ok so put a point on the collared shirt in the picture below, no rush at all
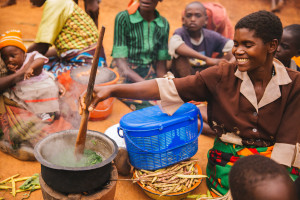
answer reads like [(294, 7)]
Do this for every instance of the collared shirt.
[(235, 114), (140, 41)]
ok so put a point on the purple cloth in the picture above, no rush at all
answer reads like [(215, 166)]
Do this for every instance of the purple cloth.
[(212, 41)]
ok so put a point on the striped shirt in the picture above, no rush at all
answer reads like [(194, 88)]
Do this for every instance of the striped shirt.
[(139, 41)]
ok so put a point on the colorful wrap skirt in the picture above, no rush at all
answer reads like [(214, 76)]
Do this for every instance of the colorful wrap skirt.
[(19, 127), (222, 157), (61, 67)]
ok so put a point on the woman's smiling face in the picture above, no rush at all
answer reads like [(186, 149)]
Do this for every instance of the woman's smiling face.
[(250, 51)]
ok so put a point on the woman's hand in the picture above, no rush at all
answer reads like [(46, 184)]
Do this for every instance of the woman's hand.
[(100, 93)]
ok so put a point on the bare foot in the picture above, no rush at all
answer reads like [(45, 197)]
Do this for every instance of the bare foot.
[(8, 3)]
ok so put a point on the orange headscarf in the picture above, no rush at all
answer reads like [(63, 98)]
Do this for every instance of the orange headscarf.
[(12, 38)]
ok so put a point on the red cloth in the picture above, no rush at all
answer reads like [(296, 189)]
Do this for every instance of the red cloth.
[(218, 19), (133, 6)]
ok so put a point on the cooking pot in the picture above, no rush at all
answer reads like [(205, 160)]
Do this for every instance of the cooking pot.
[(75, 179)]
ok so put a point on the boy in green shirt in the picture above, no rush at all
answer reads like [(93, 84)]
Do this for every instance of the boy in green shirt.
[(140, 49)]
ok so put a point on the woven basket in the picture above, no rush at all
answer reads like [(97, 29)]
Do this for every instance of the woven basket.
[(155, 140)]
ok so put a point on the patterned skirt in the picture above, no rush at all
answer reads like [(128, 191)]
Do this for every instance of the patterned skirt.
[(222, 157)]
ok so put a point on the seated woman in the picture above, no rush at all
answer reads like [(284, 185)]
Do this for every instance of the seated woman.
[(253, 104), (72, 32), (73, 35), (29, 97)]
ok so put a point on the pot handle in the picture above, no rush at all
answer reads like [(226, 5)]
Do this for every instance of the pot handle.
[(161, 151), (120, 129)]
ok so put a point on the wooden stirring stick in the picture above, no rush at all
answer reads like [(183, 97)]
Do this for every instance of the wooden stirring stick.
[(80, 141)]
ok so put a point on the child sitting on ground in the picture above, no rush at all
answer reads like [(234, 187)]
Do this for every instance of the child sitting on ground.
[(289, 47), (257, 177), (38, 92), (193, 46)]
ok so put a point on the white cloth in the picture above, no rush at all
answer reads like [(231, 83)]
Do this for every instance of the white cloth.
[(39, 94)]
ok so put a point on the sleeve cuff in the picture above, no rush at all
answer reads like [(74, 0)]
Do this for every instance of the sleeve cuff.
[(284, 154), (38, 55), (120, 52), (170, 100), (296, 162), (174, 43)]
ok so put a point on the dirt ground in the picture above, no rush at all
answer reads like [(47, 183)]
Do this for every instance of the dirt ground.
[(26, 18)]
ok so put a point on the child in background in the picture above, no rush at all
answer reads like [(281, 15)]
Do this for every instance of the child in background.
[(193, 46), (289, 47), (140, 49), (257, 177), (38, 92), (218, 20)]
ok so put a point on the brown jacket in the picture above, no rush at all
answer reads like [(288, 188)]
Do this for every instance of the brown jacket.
[(233, 111)]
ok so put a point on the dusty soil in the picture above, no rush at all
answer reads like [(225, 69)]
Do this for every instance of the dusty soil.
[(26, 18)]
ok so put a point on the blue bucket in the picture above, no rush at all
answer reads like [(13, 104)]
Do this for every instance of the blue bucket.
[(155, 140)]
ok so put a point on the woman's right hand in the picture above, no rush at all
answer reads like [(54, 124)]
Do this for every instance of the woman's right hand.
[(100, 93)]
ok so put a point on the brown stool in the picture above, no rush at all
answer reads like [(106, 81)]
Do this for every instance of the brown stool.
[(107, 193)]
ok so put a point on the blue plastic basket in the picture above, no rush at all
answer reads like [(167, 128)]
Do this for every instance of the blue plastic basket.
[(155, 140)]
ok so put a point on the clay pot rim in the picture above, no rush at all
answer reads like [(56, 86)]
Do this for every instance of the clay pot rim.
[(45, 163)]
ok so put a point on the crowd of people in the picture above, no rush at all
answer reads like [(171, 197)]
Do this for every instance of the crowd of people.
[(247, 75)]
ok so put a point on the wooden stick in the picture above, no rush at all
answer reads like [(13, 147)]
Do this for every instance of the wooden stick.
[(80, 141)]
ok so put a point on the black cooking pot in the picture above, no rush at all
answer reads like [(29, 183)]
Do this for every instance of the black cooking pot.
[(75, 179)]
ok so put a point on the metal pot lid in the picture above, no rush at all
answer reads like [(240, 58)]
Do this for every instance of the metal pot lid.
[(82, 75)]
